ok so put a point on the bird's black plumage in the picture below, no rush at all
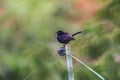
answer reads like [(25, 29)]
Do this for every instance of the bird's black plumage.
[(64, 37)]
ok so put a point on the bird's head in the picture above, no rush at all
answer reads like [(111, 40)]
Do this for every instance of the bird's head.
[(60, 32)]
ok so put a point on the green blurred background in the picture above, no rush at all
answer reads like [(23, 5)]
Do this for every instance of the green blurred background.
[(28, 45)]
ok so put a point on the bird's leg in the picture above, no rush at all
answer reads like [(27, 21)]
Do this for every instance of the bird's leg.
[(64, 49), (64, 45)]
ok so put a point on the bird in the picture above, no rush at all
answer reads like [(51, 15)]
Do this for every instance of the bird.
[(64, 37)]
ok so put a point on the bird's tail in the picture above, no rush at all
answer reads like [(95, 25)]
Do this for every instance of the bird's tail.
[(76, 33)]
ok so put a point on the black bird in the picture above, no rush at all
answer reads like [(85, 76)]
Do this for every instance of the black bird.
[(64, 37)]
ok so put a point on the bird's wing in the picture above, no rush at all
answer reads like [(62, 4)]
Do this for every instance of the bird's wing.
[(67, 37)]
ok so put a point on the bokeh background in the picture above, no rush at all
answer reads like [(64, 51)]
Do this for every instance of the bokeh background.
[(28, 45)]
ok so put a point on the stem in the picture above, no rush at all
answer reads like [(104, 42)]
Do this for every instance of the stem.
[(69, 63), (31, 73), (87, 67)]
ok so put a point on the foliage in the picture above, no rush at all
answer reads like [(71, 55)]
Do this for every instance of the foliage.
[(28, 45)]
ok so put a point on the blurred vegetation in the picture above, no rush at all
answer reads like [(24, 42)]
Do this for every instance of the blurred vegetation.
[(28, 45)]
